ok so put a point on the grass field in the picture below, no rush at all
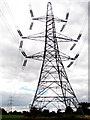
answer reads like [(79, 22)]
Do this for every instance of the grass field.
[(62, 117), (12, 117)]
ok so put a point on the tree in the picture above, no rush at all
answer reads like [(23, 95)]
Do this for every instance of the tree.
[(46, 112), (68, 110), (85, 107), (4, 112)]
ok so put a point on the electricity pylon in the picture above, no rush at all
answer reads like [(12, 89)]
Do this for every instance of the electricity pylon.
[(54, 88), (10, 104)]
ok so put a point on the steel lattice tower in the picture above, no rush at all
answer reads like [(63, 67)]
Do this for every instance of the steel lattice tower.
[(54, 88)]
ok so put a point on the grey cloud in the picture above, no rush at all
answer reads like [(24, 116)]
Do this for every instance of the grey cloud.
[(11, 64), (82, 95), (17, 99)]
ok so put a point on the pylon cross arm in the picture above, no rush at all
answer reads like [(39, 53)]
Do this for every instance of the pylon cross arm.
[(41, 38), (43, 19), (39, 56), (62, 39)]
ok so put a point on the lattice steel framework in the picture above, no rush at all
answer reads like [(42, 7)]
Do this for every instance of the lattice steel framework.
[(54, 88)]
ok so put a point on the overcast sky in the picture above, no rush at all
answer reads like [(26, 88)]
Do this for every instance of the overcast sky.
[(21, 84)]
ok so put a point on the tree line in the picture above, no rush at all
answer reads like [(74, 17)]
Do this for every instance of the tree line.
[(84, 106)]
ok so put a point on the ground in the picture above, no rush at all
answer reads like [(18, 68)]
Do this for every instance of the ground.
[(62, 117)]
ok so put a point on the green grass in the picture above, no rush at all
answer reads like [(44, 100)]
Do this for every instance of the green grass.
[(61, 117), (12, 117)]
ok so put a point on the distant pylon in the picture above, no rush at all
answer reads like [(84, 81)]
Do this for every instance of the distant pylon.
[(54, 88), (10, 103)]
